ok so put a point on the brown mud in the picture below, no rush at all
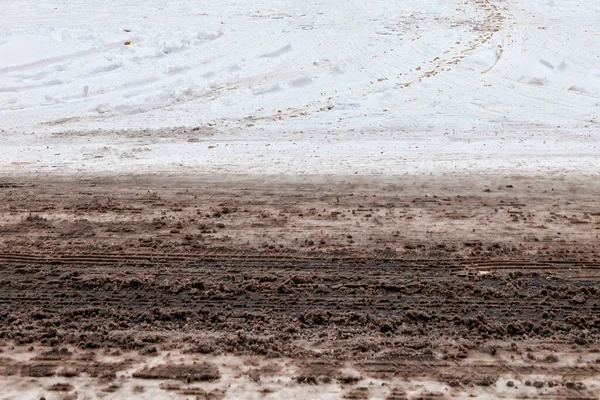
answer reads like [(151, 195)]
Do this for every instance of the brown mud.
[(346, 289)]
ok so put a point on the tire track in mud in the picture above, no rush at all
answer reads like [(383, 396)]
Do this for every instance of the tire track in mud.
[(308, 298), (121, 259), (55, 265)]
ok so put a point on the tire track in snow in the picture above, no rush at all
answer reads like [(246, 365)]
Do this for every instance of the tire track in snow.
[(493, 21)]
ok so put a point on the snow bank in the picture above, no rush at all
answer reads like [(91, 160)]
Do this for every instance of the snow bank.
[(383, 76)]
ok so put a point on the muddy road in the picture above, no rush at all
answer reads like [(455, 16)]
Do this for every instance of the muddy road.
[(246, 288)]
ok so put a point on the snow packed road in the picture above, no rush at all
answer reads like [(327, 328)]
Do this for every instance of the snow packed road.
[(288, 87)]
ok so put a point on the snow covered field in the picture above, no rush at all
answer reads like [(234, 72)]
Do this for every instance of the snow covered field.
[(300, 87)]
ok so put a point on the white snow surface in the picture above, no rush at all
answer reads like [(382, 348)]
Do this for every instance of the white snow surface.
[(300, 87)]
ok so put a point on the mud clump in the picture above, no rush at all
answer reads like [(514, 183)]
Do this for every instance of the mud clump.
[(38, 370), (484, 380), (360, 393), (575, 386), (203, 394), (551, 358), (60, 387), (254, 375), (306, 380), (151, 351), (104, 371), (317, 372), (187, 373), (68, 373), (348, 379), (112, 388), (54, 354)]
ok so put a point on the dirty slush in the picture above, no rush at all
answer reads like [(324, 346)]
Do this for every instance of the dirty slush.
[(224, 288)]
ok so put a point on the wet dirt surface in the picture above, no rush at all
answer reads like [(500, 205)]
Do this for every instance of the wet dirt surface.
[(327, 290)]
